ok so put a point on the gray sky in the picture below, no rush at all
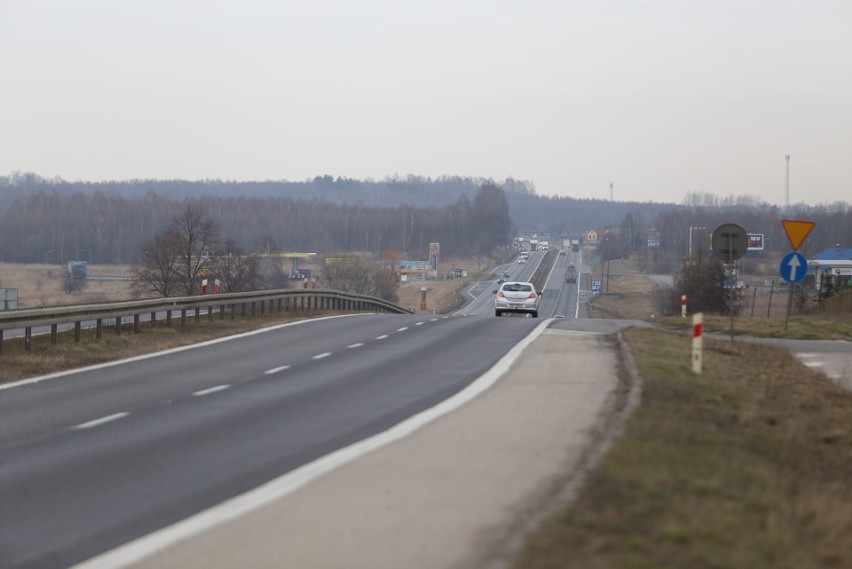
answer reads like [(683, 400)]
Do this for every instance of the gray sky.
[(660, 97)]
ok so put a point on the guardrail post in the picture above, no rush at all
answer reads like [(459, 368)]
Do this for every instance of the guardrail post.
[(183, 317), (197, 314), (153, 320), (53, 328), (243, 309), (279, 304), (28, 338), (118, 325), (210, 312), (77, 327), (169, 318), (99, 328), (253, 307), (1, 342), (221, 312), (135, 323)]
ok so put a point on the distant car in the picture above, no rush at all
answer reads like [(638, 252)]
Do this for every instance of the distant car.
[(518, 297), (506, 276), (521, 260), (559, 316), (562, 252), (501, 279), (575, 248), (571, 274)]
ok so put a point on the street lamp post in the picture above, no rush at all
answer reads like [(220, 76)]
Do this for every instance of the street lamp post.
[(787, 157)]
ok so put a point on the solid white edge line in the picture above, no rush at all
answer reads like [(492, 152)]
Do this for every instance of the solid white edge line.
[(321, 356), (170, 351), (276, 370), (101, 421), (286, 484), (579, 279), (204, 392)]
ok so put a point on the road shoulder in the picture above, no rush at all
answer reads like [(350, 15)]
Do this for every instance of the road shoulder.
[(447, 495)]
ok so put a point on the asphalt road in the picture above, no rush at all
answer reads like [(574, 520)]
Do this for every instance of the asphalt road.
[(559, 299), (96, 458), (92, 459)]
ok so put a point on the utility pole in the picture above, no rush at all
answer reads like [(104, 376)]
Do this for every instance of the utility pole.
[(610, 190), (787, 157)]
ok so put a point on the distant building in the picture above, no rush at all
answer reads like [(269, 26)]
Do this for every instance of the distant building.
[(833, 266), (593, 236)]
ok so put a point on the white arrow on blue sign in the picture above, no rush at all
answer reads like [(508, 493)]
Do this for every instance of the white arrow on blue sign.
[(794, 266)]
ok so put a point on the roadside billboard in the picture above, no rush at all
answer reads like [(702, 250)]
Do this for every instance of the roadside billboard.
[(755, 242)]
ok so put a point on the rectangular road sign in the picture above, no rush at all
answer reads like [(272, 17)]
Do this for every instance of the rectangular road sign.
[(755, 242), (797, 231), (596, 286)]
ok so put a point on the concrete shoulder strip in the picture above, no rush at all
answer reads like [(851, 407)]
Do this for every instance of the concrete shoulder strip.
[(150, 544)]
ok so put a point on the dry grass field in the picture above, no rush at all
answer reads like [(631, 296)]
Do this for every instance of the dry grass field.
[(442, 296), (43, 285), (744, 466)]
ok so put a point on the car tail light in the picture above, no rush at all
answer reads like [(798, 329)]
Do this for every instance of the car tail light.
[(501, 295), (532, 295)]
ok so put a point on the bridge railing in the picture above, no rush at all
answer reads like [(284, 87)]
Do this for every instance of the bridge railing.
[(215, 305)]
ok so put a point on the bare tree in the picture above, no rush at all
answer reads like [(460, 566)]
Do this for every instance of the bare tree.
[(196, 236), (173, 262), (156, 273), (237, 271)]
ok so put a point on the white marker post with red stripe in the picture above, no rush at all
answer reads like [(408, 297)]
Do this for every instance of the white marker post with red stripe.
[(697, 344), (683, 306)]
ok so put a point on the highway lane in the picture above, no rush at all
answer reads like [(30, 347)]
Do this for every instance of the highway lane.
[(482, 301), (558, 298), (92, 459)]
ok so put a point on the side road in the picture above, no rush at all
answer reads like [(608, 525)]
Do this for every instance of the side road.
[(456, 493)]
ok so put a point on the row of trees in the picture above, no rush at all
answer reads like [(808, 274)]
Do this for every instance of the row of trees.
[(53, 220), (102, 228)]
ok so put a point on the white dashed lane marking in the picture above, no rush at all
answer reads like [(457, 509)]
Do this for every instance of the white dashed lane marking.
[(403, 329), (321, 356), (358, 345), (101, 421), (204, 392), (276, 370), (382, 337)]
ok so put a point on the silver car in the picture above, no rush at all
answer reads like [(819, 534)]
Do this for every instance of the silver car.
[(516, 296)]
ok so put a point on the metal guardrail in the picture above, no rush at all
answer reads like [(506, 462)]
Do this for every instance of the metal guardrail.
[(285, 300)]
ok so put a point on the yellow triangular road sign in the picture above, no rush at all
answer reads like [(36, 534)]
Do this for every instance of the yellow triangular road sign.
[(797, 231)]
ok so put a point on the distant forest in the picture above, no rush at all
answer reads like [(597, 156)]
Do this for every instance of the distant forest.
[(51, 220)]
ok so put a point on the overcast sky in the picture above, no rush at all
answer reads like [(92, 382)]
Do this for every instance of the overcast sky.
[(659, 97)]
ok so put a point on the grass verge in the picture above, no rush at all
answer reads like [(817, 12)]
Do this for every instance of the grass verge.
[(813, 327), (747, 465)]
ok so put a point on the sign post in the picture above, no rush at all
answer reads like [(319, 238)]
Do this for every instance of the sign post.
[(794, 266), (730, 242), (697, 341), (683, 306)]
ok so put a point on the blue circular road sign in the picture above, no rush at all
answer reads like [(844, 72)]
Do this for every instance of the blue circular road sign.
[(794, 267)]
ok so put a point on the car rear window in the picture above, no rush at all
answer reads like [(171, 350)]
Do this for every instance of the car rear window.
[(517, 287)]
